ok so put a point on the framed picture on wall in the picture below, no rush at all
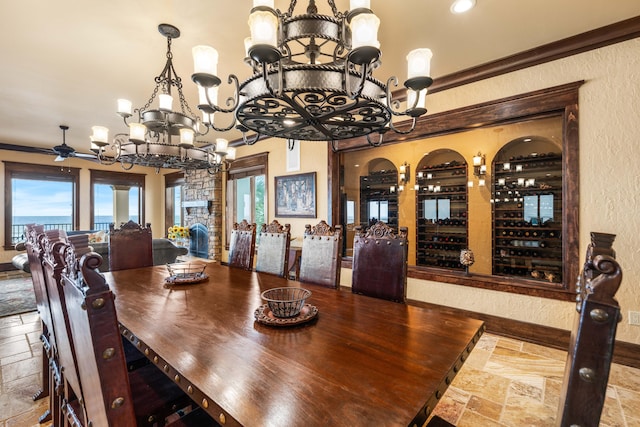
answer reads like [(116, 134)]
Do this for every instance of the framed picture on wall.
[(296, 195)]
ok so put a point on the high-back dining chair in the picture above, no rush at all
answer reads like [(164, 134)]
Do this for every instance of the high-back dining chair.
[(593, 336), (321, 259), (50, 381), (242, 245), (130, 246), (62, 348), (273, 251), (380, 262), (99, 391)]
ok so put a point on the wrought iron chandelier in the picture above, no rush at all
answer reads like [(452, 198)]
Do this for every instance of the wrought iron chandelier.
[(312, 77), (150, 141)]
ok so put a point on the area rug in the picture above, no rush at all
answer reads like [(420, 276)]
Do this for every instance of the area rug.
[(16, 296)]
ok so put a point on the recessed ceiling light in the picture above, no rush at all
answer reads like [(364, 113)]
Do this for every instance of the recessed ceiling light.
[(462, 6)]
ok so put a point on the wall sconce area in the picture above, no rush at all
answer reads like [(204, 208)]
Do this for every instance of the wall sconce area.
[(479, 170), (404, 175)]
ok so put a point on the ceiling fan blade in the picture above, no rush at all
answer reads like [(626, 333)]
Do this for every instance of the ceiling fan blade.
[(85, 155)]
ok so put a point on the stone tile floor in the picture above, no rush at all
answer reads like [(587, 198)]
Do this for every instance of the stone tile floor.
[(504, 382)]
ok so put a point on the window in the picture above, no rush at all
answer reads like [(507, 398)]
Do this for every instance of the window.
[(174, 187), (41, 194), (247, 191), (437, 209), (116, 197)]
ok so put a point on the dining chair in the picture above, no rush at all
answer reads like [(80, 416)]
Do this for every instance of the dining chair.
[(99, 390), (593, 336), (242, 245), (273, 249), (130, 246), (321, 259), (35, 252), (380, 262)]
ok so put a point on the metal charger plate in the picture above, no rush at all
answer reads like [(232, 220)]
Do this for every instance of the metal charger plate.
[(264, 315)]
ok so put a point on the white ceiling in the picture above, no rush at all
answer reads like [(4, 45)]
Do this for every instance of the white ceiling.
[(67, 61)]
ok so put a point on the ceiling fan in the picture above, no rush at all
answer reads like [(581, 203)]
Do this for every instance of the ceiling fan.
[(64, 151)]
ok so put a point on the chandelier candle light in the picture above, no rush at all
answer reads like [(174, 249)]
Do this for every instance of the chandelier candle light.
[(162, 137), (312, 77)]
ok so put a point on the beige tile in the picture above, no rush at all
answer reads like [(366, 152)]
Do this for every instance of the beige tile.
[(473, 419), (509, 343), (624, 376), (549, 353), (629, 402), (522, 409), (484, 407), (21, 369), (632, 422), (483, 384), (19, 330), (30, 417), (15, 358), (15, 347)]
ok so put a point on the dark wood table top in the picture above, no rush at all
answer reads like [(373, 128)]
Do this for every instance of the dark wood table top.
[(361, 362)]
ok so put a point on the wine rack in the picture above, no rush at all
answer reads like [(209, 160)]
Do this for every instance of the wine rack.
[(376, 187), (441, 215), (527, 217)]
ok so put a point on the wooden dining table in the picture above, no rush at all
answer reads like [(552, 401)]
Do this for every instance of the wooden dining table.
[(360, 361)]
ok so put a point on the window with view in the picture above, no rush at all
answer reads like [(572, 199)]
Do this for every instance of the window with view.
[(40, 194), (116, 197), (247, 191)]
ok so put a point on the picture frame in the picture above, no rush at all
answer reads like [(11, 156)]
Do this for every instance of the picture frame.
[(296, 195)]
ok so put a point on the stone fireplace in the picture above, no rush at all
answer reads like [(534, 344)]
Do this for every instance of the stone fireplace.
[(203, 205)]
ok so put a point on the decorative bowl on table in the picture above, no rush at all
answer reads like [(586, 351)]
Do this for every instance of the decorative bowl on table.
[(183, 273), (286, 302)]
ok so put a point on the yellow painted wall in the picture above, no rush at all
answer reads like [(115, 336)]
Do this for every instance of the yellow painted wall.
[(154, 191)]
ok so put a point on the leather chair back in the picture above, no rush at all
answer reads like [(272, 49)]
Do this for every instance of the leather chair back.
[(273, 249), (242, 245), (380, 262), (130, 246), (321, 259)]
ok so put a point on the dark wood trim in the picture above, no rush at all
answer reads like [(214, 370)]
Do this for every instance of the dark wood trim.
[(333, 187), (501, 111), (624, 353), (7, 266), (600, 37)]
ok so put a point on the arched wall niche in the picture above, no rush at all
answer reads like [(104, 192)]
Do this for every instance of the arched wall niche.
[(550, 115)]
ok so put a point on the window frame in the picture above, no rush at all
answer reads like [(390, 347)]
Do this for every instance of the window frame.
[(116, 178), (172, 180), (253, 165), (38, 173)]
